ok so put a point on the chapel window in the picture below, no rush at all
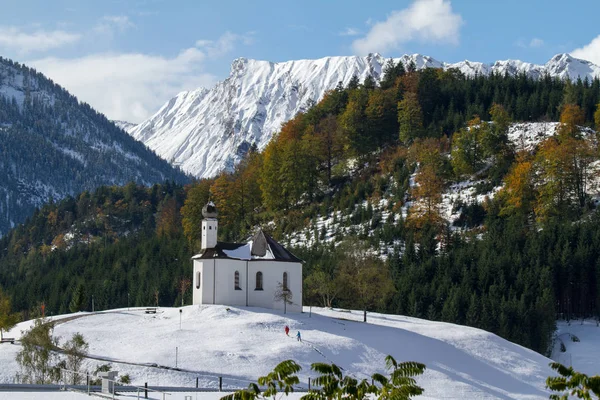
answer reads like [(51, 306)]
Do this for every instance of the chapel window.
[(259, 281)]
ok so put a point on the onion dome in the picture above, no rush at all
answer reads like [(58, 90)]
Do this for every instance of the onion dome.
[(209, 210)]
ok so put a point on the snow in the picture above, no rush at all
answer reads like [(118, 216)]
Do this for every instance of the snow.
[(241, 253), (584, 355), (241, 344), (207, 130)]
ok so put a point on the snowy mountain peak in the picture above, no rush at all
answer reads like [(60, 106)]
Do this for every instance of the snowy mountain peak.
[(206, 131)]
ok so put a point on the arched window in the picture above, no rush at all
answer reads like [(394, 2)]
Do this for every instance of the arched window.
[(237, 280), (285, 280), (259, 281), (198, 280)]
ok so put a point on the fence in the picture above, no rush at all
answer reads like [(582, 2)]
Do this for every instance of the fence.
[(109, 385)]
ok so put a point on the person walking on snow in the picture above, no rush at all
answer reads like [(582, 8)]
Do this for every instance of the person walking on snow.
[(287, 330), (298, 336)]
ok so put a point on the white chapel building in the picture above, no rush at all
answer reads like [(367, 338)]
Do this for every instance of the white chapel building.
[(244, 274)]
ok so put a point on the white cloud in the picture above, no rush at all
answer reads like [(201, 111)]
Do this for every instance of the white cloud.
[(224, 44), (533, 43), (111, 24), (132, 86), (22, 42), (424, 20), (590, 52), (349, 32), (536, 42), (127, 86)]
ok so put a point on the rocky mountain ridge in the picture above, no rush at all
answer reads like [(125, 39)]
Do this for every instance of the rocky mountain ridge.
[(207, 130)]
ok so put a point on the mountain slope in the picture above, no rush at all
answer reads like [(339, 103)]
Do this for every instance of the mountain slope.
[(241, 344), (53, 146), (206, 131)]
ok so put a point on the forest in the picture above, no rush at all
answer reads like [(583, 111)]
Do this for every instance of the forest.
[(52, 145), (512, 264)]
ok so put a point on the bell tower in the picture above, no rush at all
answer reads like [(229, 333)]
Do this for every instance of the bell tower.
[(209, 226)]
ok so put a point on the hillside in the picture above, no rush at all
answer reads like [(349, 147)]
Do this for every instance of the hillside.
[(54, 146), (241, 344), (466, 227), (208, 130)]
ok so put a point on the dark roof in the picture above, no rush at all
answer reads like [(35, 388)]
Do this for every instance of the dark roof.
[(264, 247), (261, 242)]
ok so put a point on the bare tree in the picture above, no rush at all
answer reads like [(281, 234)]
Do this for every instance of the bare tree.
[(283, 293), (184, 285)]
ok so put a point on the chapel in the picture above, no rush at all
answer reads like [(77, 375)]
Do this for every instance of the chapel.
[(252, 274)]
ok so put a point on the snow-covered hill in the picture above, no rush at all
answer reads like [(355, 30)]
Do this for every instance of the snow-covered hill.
[(242, 343), (205, 131)]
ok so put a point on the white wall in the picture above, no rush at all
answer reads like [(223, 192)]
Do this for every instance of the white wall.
[(217, 284), (197, 291), (209, 233), (272, 276), (225, 292)]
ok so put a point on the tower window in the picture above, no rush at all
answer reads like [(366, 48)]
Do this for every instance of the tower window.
[(237, 280), (285, 280), (198, 280), (259, 281)]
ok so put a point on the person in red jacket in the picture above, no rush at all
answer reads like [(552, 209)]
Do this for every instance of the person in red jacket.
[(287, 330)]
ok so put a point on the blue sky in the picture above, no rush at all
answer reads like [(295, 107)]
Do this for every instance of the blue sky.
[(127, 58)]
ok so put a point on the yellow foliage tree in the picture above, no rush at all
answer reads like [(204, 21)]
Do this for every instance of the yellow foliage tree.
[(191, 212), (571, 120), (518, 193)]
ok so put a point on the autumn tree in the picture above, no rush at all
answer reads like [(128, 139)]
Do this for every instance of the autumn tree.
[(552, 175), (322, 286), (597, 117), (7, 319), (270, 178), (518, 193), (427, 195), (366, 278), (563, 168), (168, 221), (572, 119), (353, 120), (196, 197), (237, 196), (410, 118)]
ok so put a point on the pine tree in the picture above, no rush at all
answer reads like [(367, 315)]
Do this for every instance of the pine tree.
[(410, 118), (7, 319), (77, 299)]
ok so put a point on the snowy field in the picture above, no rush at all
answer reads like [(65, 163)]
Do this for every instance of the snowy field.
[(241, 344), (583, 355)]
